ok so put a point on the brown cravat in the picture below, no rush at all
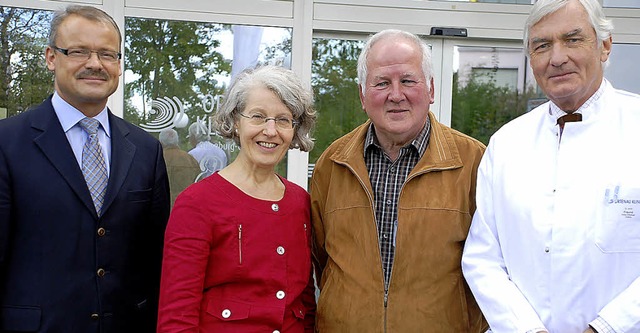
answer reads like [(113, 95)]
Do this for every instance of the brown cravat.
[(569, 117)]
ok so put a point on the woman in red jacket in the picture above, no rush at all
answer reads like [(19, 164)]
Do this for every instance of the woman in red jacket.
[(237, 247)]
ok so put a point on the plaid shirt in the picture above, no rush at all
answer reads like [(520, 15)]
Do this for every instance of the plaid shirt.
[(387, 179)]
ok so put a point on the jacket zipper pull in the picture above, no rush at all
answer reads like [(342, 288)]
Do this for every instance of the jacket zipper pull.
[(386, 297)]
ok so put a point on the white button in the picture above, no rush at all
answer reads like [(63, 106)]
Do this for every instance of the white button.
[(275, 207), (388, 202), (280, 294), (226, 313), (276, 331), (280, 250)]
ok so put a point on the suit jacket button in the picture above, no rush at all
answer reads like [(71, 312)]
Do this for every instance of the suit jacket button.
[(226, 313), (101, 272), (95, 316), (101, 232)]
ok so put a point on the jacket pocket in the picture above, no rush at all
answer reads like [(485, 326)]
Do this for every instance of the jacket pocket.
[(227, 310), (618, 231), (20, 318), (140, 195), (298, 309)]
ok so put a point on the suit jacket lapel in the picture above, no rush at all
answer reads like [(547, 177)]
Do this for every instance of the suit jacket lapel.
[(55, 146), (122, 152)]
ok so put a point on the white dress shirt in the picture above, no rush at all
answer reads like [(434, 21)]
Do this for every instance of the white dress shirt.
[(555, 240), (69, 117)]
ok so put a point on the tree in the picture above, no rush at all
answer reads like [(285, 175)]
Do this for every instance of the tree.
[(481, 107), (171, 58), (24, 78), (335, 87)]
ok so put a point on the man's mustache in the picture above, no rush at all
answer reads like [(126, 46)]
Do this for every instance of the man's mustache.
[(91, 74)]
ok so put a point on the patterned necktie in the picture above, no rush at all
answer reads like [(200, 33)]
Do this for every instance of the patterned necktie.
[(94, 168)]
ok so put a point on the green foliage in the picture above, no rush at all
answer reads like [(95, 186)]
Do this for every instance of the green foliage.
[(481, 107), (24, 78), (335, 87), (171, 58)]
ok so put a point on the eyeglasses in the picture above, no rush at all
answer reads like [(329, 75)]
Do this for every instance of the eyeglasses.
[(282, 123), (85, 54)]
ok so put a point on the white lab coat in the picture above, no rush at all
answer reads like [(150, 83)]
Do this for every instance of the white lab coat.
[(555, 239)]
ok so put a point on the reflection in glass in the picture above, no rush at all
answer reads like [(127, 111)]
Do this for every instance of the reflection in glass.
[(490, 88), (24, 78), (623, 70), (176, 71), (335, 86)]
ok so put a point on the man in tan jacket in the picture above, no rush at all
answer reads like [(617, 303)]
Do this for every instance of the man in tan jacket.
[(182, 168), (392, 203)]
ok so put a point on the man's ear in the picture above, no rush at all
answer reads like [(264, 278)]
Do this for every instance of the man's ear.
[(606, 49), (361, 96), (432, 93), (50, 57)]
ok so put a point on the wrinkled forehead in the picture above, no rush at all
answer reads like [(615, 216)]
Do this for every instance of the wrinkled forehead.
[(566, 21)]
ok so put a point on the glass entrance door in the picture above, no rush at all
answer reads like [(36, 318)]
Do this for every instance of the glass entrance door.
[(484, 85)]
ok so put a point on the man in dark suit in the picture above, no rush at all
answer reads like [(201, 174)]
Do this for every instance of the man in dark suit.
[(82, 213)]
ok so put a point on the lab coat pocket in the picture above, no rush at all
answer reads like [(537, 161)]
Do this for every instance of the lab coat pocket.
[(619, 230)]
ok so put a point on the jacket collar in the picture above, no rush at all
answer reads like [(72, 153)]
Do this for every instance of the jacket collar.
[(441, 154), (61, 156)]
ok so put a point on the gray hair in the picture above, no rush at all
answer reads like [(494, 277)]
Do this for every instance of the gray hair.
[(88, 12), (199, 132), (427, 67), (602, 26), (281, 81), (168, 137)]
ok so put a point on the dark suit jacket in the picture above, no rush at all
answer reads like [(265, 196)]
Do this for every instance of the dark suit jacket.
[(63, 268)]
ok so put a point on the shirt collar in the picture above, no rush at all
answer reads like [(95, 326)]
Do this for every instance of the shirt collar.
[(555, 112), (69, 116), (420, 142)]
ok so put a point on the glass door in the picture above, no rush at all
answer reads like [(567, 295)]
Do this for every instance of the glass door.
[(485, 84)]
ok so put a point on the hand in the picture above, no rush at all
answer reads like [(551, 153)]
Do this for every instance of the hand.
[(590, 330)]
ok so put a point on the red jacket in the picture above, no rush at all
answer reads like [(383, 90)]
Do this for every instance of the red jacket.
[(234, 263)]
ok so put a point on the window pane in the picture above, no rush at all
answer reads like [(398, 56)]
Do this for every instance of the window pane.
[(25, 80), (489, 89), (518, 2), (334, 81), (623, 70), (622, 3), (176, 72)]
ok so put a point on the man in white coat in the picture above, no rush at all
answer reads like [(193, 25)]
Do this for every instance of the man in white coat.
[(555, 241)]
